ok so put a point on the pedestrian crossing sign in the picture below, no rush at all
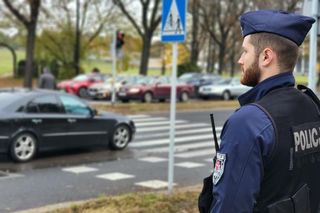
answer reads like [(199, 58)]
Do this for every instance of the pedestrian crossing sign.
[(173, 28)]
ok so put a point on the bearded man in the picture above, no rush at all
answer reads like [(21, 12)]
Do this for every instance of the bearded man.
[(269, 156)]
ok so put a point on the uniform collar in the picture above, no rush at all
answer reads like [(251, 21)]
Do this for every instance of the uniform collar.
[(256, 93)]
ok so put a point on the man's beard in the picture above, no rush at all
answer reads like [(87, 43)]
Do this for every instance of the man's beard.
[(251, 75)]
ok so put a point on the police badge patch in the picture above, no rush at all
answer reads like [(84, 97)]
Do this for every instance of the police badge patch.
[(219, 167)]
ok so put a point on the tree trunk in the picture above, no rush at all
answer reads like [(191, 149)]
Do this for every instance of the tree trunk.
[(222, 53), (145, 55), (76, 55), (232, 62), (28, 71), (221, 60), (210, 57), (195, 33)]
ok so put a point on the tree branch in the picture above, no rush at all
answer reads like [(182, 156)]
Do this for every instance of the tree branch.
[(131, 19), (16, 13)]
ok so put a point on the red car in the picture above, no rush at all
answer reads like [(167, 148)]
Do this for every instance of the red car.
[(157, 89), (79, 84)]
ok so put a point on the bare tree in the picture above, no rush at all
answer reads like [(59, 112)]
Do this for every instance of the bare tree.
[(30, 23), (219, 18), (149, 22), (287, 5), (80, 22)]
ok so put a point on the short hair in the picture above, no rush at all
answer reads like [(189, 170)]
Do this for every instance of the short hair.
[(286, 50)]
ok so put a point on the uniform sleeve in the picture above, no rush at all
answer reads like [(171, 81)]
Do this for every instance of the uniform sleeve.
[(246, 142)]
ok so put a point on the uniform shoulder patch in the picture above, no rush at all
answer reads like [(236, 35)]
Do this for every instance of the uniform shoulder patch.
[(219, 167)]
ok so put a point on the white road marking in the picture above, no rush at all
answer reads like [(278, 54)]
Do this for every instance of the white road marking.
[(158, 123), (153, 159), (115, 176), (141, 120), (189, 165), (210, 160), (79, 169), (166, 141), (182, 148), (154, 184), (180, 132), (179, 126)]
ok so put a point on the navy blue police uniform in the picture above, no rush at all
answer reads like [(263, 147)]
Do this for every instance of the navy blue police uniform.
[(270, 147)]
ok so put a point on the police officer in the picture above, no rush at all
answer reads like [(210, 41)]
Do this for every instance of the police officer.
[(269, 158)]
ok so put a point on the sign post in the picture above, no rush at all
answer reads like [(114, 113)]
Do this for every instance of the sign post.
[(173, 29), (114, 66), (312, 8), (313, 48)]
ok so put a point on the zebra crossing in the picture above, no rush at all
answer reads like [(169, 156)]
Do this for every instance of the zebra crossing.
[(191, 139)]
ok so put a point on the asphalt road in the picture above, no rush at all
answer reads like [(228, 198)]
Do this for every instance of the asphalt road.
[(142, 166)]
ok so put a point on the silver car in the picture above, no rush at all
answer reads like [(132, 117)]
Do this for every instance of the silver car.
[(225, 89)]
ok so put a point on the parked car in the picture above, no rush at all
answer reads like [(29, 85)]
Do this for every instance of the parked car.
[(199, 79), (103, 90), (158, 88), (33, 121), (79, 84), (226, 89)]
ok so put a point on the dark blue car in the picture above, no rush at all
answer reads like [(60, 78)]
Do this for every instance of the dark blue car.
[(32, 121)]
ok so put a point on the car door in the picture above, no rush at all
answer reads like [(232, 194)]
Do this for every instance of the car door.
[(45, 117), (238, 88), (162, 88), (85, 128)]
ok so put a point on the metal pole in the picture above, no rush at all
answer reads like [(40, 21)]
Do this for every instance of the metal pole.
[(313, 48), (172, 115), (303, 59), (114, 67)]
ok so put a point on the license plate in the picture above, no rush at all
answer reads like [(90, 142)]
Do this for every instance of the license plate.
[(122, 94)]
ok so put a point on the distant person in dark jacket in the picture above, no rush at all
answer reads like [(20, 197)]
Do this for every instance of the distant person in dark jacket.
[(47, 80)]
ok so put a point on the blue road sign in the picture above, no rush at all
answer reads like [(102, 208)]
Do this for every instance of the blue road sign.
[(173, 28)]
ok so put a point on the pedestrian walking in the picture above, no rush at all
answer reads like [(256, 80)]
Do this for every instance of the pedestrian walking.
[(47, 80)]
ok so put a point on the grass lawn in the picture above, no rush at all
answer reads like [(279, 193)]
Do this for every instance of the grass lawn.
[(184, 201), (6, 67), (105, 67)]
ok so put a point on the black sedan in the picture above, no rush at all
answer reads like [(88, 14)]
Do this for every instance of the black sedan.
[(32, 121)]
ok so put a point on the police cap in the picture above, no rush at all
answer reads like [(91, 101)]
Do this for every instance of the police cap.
[(289, 25)]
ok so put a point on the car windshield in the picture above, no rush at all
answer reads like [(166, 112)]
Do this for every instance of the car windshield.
[(144, 80), (80, 78), (224, 81), (7, 98), (188, 77)]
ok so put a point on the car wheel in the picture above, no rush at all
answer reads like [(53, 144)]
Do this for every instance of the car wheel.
[(147, 97), (120, 137), (226, 95), (184, 97), (23, 147), (83, 92)]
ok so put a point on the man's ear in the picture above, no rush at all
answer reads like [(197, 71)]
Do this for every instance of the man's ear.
[(267, 56)]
